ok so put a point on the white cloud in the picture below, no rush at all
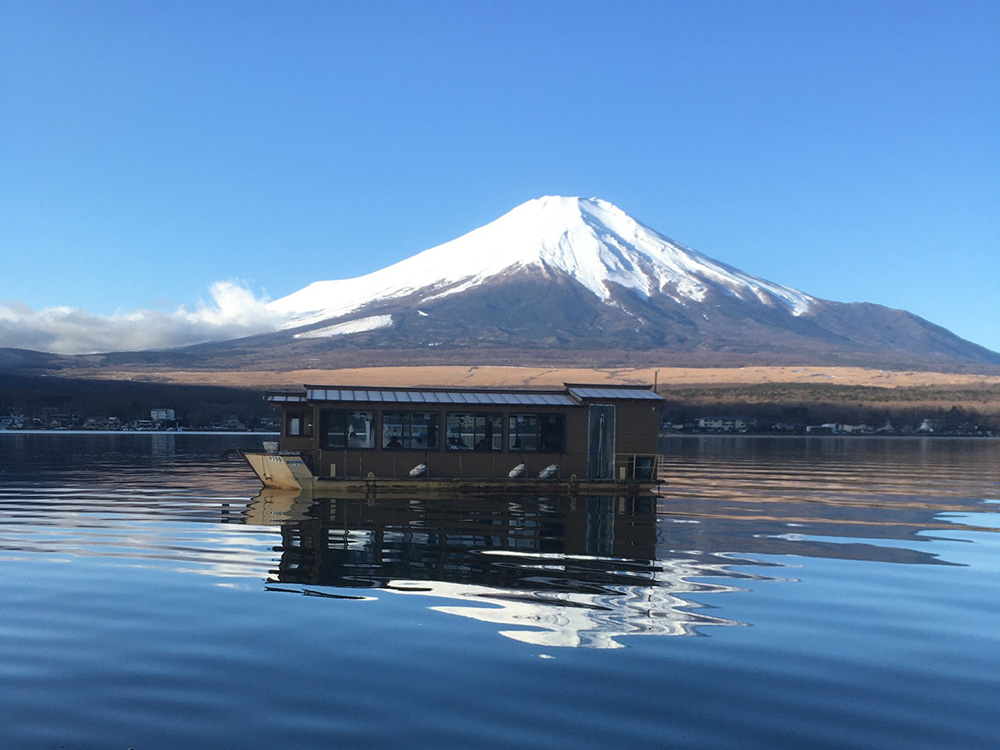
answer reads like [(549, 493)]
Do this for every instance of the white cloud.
[(233, 311)]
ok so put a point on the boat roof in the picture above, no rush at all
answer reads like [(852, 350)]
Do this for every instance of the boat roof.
[(570, 395)]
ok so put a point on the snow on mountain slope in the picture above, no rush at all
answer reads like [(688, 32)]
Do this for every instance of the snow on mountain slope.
[(348, 327), (590, 240)]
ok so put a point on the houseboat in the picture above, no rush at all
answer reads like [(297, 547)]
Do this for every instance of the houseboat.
[(581, 439)]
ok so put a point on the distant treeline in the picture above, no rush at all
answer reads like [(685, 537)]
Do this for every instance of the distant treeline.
[(129, 401), (820, 403), (796, 404)]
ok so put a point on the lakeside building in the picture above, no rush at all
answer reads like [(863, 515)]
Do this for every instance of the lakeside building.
[(836, 428), (728, 424)]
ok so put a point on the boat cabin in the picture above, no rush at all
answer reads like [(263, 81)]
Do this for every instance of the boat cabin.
[(595, 432)]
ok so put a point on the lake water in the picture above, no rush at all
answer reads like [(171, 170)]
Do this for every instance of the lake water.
[(782, 593)]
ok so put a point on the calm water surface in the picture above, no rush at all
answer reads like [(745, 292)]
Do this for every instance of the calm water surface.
[(782, 593)]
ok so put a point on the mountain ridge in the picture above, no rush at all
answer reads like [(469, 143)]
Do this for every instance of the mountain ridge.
[(563, 282), (561, 273), (590, 240)]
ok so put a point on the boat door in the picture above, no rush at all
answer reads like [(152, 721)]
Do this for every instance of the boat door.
[(601, 442)]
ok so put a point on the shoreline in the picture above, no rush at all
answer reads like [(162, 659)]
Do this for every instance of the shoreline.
[(662, 436)]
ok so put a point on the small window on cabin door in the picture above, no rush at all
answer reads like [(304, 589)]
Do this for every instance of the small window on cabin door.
[(297, 424)]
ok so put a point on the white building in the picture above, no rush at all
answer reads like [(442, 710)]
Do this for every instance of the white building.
[(728, 424), (931, 425)]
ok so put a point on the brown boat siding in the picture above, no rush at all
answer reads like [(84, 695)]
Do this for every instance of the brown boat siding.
[(635, 434)]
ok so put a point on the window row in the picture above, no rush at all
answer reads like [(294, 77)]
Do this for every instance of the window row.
[(406, 430)]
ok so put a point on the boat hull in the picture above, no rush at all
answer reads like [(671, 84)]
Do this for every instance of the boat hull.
[(288, 471)]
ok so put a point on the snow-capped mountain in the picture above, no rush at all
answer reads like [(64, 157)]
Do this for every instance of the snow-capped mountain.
[(588, 240), (581, 275)]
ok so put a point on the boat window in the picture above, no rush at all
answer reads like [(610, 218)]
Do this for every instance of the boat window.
[(480, 432), (347, 429), (409, 430), (537, 432), (297, 424)]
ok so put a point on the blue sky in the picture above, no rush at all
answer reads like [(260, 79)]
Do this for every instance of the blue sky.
[(150, 150)]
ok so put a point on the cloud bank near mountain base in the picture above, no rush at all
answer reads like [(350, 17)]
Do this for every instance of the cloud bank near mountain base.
[(233, 311)]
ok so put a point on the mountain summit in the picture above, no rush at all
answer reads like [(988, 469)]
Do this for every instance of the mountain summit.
[(588, 240), (580, 275)]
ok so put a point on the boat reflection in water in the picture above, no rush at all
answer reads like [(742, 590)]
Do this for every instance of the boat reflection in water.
[(550, 571)]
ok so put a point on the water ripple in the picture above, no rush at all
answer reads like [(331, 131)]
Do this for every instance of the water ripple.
[(839, 594)]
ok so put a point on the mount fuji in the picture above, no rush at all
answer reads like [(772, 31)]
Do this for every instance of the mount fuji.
[(591, 242), (560, 275)]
